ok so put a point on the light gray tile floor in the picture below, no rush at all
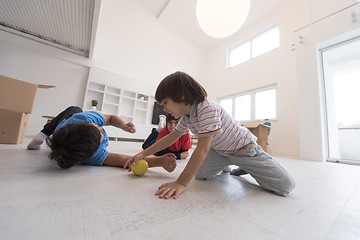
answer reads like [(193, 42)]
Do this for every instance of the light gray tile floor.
[(39, 201)]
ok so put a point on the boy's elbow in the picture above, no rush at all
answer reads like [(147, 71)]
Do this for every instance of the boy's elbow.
[(203, 151), (204, 145)]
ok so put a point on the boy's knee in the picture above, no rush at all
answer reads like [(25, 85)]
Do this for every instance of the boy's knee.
[(286, 187), (204, 173), (202, 176), (74, 109), (291, 185)]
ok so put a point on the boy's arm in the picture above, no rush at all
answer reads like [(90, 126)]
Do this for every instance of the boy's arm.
[(176, 188), (156, 147), (182, 154), (162, 152), (115, 160), (162, 143), (168, 161), (118, 122)]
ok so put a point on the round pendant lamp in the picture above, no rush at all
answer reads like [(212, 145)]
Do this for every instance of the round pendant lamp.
[(221, 18)]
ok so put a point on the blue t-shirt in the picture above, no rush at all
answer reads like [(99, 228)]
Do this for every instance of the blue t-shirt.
[(91, 117)]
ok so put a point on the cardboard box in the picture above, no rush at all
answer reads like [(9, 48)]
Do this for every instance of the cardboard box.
[(16, 103), (12, 126), (261, 132), (17, 95)]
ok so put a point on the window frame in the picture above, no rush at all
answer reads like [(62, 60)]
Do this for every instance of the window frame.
[(250, 40), (252, 94)]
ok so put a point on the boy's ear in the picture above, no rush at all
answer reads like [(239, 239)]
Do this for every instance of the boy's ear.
[(183, 100)]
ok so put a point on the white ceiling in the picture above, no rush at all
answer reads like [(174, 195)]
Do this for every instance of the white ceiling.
[(71, 24), (180, 17)]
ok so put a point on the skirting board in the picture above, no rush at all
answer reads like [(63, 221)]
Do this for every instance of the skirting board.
[(126, 139)]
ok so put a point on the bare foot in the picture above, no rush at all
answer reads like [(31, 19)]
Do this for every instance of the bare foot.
[(169, 162)]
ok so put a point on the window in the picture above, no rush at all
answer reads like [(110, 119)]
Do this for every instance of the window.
[(258, 104), (239, 54), (256, 46), (227, 105), (243, 108), (265, 42), (265, 104)]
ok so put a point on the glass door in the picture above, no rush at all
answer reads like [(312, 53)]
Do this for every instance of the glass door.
[(341, 81)]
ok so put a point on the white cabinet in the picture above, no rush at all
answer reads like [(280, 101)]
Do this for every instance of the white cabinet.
[(118, 95)]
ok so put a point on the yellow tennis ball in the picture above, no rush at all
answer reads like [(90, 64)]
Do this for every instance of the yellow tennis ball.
[(140, 168)]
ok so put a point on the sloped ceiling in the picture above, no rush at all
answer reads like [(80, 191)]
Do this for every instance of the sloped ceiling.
[(180, 17)]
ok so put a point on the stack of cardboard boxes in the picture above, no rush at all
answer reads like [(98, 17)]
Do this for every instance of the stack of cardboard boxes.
[(261, 131), (16, 103)]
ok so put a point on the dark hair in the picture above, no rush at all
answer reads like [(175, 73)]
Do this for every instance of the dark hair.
[(180, 87), (169, 118), (73, 144)]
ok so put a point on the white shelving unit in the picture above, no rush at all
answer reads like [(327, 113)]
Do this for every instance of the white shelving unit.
[(118, 95)]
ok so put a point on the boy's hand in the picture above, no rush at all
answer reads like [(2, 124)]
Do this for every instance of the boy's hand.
[(133, 160), (184, 155), (167, 190), (169, 162), (129, 127)]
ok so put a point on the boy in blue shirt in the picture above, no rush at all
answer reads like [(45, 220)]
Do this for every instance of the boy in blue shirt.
[(77, 137)]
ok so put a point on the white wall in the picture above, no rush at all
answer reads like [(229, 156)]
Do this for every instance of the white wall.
[(311, 110), (275, 67), (130, 42), (298, 130), (30, 66)]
